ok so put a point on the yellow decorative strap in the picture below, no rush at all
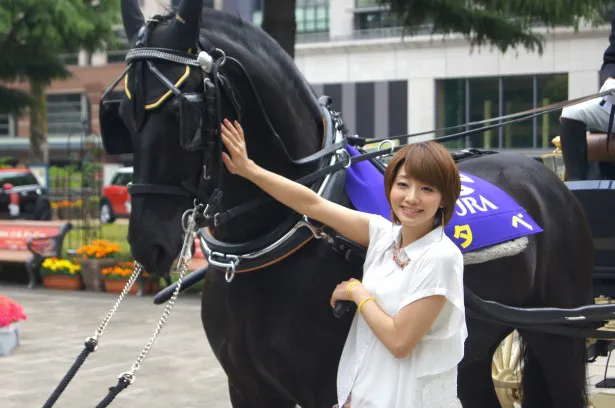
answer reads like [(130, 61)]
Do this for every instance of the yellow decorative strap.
[(351, 286), (363, 301)]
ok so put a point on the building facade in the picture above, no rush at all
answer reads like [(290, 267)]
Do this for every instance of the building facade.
[(384, 83)]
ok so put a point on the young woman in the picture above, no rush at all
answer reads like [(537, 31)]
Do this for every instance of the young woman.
[(408, 335)]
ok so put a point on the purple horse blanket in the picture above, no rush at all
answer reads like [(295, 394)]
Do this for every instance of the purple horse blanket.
[(484, 214)]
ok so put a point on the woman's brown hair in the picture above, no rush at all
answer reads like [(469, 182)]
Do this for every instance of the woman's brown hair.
[(430, 163)]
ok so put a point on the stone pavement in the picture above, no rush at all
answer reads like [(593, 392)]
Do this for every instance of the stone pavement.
[(179, 371)]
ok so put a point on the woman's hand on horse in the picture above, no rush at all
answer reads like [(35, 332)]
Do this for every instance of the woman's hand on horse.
[(236, 161), (341, 291)]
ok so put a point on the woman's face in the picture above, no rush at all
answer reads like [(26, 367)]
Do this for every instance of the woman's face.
[(414, 202)]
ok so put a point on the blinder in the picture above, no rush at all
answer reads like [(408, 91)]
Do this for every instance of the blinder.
[(196, 111), (116, 138), (197, 118)]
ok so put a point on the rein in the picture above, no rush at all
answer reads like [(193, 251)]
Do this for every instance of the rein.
[(91, 343)]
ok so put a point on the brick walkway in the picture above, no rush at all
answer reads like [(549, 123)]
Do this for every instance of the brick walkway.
[(180, 370)]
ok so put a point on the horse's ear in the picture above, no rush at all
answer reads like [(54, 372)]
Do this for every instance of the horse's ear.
[(132, 18), (188, 22)]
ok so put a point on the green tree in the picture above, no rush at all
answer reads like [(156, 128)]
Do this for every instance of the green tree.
[(33, 36), (501, 23)]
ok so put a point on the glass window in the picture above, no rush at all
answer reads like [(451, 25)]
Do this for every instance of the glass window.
[(7, 127), (367, 3), (18, 178), (483, 104), (451, 108), (518, 96), (65, 114), (121, 179), (310, 15), (550, 89), (465, 100)]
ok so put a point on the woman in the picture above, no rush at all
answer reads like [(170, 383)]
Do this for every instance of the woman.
[(408, 334)]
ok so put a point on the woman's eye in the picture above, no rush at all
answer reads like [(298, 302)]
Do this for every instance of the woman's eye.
[(401, 184), (429, 189)]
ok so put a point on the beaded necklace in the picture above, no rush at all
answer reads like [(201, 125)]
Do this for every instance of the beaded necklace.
[(398, 255)]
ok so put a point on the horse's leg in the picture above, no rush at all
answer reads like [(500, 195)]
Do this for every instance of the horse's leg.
[(554, 371), (239, 400), (474, 379)]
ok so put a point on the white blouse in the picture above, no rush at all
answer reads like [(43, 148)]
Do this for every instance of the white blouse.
[(427, 378)]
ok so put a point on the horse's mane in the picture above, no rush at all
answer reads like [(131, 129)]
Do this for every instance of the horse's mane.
[(256, 49), (470, 154)]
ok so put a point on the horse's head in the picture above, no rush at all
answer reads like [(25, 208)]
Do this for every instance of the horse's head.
[(187, 71)]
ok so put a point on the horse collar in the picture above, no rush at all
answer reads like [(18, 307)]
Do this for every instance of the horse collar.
[(291, 235)]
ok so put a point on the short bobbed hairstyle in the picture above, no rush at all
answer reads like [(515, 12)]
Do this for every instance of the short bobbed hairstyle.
[(430, 163)]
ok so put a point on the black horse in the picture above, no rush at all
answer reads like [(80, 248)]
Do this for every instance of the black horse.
[(272, 329)]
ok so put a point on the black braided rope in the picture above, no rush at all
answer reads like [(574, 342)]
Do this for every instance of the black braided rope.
[(122, 383), (90, 346)]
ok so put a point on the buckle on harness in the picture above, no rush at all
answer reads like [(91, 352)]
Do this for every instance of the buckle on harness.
[(229, 262), (318, 232)]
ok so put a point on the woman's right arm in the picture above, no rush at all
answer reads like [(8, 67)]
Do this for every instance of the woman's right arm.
[(352, 224)]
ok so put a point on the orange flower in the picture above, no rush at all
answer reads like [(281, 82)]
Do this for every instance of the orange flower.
[(98, 249)]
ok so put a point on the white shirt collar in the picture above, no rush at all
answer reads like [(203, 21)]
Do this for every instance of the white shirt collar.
[(414, 249)]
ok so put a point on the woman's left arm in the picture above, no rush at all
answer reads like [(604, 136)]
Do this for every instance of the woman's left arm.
[(399, 334)]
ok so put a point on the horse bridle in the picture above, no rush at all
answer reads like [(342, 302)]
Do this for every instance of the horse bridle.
[(208, 198)]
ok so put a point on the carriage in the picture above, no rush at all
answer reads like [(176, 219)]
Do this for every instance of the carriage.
[(597, 198), (271, 271)]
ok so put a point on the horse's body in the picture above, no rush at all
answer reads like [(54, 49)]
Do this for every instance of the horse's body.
[(272, 329)]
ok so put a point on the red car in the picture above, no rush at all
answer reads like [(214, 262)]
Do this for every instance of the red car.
[(115, 200)]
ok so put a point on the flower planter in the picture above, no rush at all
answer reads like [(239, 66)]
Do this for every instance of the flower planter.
[(117, 285), (91, 273), (65, 282), (9, 338)]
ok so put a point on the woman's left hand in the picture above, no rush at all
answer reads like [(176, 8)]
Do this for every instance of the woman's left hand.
[(340, 292)]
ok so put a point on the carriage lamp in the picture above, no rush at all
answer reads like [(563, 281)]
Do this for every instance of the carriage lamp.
[(555, 159)]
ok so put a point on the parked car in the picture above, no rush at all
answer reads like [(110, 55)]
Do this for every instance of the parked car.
[(22, 196), (115, 200)]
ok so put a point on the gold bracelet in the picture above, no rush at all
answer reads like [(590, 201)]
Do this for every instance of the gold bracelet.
[(351, 286), (363, 301)]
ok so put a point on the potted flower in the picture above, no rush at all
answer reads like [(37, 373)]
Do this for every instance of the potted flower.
[(94, 257), (60, 273), (117, 276), (11, 315)]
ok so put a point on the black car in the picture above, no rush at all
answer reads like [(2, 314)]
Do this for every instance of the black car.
[(22, 196)]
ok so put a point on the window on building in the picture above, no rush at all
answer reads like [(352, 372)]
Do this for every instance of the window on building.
[(7, 125), (372, 19), (117, 53), (66, 113), (368, 3), (465, 100), (312, 16)]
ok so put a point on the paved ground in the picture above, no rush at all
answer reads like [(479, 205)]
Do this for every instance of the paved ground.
[(180, 370)]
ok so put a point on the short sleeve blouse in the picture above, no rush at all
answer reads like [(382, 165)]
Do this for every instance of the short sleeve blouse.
[(367, 370)]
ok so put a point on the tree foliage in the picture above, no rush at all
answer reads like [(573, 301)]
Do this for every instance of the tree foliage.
[(35, 33), (500, 23)]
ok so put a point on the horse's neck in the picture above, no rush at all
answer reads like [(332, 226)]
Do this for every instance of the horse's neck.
[(293, 111), (236, 191)]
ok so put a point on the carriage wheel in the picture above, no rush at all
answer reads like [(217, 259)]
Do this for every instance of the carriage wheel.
[(506, 371)]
